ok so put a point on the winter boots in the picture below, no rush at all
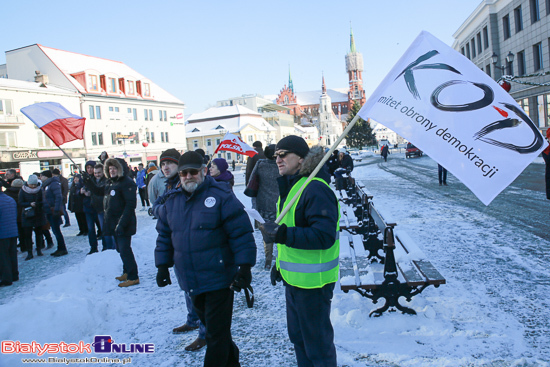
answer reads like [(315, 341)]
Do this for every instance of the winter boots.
[(129, 283), (122, 278), (29, 255), (196, 345), (184, 329), (93, 250)]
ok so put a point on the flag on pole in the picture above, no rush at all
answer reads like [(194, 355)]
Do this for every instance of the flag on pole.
[(56, 122), (233, 143), (458, 115)]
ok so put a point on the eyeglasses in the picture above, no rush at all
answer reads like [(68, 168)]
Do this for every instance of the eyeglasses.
[(192, 171), (281, 154)]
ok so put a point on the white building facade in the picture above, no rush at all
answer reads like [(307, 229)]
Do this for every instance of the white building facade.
[(511, 37), (127, 115)]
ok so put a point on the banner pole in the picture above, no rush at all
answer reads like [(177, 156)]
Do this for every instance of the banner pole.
[(288, 205), (74, 164)]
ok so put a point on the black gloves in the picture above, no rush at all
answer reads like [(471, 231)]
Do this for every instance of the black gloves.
[(85, 176), (163, 276), (275, 276), (243, 278), (269, 231)]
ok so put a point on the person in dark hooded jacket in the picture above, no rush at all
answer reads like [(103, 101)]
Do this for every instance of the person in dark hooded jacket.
[(119, 205), (92, 218), (31, 196), (103, 157), (53, 201), (76, 205), (308, 250)]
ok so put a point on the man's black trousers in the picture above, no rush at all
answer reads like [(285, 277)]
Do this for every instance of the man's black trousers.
[(309, 326), (8, 260), (215, 310)]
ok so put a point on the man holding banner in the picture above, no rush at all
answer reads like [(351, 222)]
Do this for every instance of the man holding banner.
[(308, 250)]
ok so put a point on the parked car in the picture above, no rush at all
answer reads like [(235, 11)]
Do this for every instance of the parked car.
[(412, 151)]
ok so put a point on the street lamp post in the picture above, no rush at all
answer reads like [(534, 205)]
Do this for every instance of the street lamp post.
[(509, 59)]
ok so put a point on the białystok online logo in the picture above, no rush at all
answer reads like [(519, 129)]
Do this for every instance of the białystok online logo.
[(102, 344)]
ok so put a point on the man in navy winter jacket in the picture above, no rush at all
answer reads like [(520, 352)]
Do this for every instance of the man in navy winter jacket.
[(205, 233), (53, 202), (8, 241)]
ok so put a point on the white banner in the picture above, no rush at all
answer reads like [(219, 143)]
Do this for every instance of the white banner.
[(449, 108)]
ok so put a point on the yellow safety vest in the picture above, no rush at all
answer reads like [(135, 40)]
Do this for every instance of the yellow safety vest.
[(307, 268)]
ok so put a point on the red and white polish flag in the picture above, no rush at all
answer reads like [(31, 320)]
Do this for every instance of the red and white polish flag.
[(233, 143), (60, 125)]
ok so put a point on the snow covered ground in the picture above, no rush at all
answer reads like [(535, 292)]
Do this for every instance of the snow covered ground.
[(493, 311)]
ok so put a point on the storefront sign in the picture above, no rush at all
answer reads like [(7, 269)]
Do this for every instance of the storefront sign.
[(30, 154)]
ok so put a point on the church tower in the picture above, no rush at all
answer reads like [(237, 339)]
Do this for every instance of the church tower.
[(354, 67), (330, 127)]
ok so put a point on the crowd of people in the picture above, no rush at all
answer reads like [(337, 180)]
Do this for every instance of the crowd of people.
[(204, 233)]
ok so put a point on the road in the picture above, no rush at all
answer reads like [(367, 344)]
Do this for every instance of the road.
[(498, 253)]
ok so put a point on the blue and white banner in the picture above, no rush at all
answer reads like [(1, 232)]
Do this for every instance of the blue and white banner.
[(445, 105)]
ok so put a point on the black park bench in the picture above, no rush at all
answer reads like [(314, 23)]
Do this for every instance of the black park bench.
[(378, 261)]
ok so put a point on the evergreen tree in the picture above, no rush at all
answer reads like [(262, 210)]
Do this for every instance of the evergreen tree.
[(361, 133)]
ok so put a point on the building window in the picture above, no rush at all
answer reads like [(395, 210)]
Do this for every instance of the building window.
[(506, 26), (540, 106), (462, 51), (134, 113), (7, 139), (479, 46), (164, 113), (147, 90), (162, 137), (150, 115), (509, 68), (547, 7), (208, 142), (112, 85), (537, 56), (100, 138), (524, 103), (518, 19), (146, 114), (160, 115), (228, 156), (218, 141), (98, 112), (113, 138), (195, 144), (473, 42), (131, 89), (488, 69), (92, 113), (166, 137), (43, 140), (94, 139), (468, 51), (521, 63), (535, 14), (152, 137), (92, 81), (485, 38)]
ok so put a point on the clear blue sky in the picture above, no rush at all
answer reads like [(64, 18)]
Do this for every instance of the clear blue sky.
[(205, 51)]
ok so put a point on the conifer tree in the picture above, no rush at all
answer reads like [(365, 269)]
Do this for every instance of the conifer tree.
[(361, 133)]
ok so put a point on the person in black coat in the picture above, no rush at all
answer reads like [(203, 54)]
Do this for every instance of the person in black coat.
[(31, 196), (119, 204), (13, 192), (53, 201), (76, 205)]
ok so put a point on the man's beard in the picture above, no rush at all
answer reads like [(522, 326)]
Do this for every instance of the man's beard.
[(191, 185)]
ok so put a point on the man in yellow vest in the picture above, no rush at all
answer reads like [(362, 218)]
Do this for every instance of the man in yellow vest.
[(308, 249)]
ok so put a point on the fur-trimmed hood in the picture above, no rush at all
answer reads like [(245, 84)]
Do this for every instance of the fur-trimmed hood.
[(119, 163), (311, 160)]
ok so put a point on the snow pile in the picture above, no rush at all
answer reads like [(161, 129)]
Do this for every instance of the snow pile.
[(485, 315)]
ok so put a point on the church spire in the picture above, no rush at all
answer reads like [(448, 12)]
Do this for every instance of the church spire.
[(351, 41), (290, 86), (324, 88)]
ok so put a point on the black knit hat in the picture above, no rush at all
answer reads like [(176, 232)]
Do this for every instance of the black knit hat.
[(46, 173), (200, 151), (257, 144), (190, 160), (170, 155), (269, 151), (293, 144), (56, 171)]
